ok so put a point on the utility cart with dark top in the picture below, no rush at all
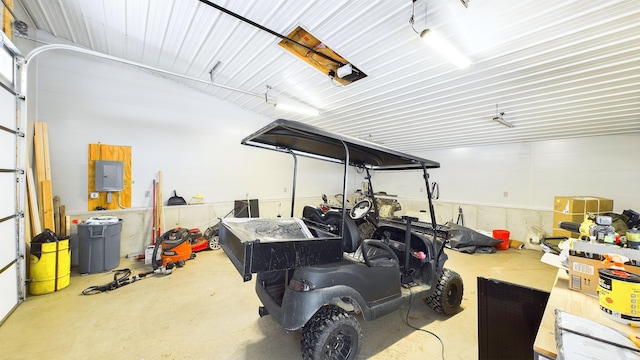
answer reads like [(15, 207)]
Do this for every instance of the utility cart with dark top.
[(318, 271)]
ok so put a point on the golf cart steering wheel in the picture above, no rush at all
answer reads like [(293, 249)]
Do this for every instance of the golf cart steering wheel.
[(381, 254), (360, 209)]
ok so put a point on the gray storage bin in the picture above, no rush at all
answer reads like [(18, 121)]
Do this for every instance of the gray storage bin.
[(99, 247)]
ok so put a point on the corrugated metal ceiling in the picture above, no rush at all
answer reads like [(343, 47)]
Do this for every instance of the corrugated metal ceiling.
[(556, 69)]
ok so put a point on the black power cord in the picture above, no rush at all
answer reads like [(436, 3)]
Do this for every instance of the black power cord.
[(120, 279), (406, 320)]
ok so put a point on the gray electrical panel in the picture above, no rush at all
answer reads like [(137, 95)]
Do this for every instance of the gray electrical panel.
[(109, 175)]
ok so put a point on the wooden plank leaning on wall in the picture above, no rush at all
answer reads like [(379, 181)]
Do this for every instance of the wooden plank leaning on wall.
[(43, 175), (121, 199), (7, 19)]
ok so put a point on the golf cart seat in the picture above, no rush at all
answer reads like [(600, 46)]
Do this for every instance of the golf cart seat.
[(351, 239), (373, 253)]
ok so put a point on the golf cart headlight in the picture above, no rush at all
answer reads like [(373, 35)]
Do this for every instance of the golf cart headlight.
[(301, 285)]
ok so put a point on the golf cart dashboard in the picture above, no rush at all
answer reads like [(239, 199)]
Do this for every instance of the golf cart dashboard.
[(442, 231)]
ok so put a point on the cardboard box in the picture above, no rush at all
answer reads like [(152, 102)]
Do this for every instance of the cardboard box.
[(581, 204), (575, 208), (583, 274), (559, 217)]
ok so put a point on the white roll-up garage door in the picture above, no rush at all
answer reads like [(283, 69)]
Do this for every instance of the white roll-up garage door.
[(12, 184)]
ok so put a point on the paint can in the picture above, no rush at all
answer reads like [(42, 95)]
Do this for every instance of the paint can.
[(619, 295)]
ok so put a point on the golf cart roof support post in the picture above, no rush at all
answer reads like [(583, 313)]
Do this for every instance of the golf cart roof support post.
[(425, 175), (376, 212), (295, 176), (407, 248), (344, 184)]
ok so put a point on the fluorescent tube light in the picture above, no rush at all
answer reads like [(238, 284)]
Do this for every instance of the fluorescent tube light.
[(444, 48), (501, 120), (300, 109)]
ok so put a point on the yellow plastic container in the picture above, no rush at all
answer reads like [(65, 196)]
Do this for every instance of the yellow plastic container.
[(50, 268)]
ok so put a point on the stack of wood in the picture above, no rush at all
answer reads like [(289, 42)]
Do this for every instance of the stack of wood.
[(46, 211)]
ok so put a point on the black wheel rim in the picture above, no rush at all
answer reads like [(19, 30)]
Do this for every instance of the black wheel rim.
[(340, 345), (453, 294)]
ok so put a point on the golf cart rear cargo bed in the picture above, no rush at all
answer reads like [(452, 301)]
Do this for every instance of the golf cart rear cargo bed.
[(257, 245)]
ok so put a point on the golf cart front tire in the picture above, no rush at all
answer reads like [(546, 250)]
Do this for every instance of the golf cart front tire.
[(331, 333), (447, 298)]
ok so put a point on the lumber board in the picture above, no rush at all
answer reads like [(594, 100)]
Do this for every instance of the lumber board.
[(56, 214), (36, 227), (39, 155), (7, 23), (63, 222), (47, 205), (40, 173), (45, 147), (67, 225), (159, 206), (46, 213), (41, 147)]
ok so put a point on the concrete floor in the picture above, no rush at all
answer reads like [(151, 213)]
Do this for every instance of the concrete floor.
[(205, 311)]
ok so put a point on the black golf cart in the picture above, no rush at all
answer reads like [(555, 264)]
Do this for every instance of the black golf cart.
[(316, 272)]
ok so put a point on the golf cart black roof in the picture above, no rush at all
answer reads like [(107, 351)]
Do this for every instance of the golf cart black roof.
[(306, 140)]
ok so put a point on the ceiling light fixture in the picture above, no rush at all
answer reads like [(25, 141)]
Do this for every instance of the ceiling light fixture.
[(290, 107), (499, 119), (300, 109), (213, 69), (438, 43)]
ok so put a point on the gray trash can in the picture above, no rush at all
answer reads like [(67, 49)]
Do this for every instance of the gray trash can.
[(99, 245)]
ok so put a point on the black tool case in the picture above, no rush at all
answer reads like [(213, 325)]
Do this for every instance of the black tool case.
[(260, 245)]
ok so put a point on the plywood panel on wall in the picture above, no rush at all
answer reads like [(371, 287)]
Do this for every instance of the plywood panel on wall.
[(121, 199)]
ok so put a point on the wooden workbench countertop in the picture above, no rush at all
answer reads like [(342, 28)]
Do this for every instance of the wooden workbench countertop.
[(573, 302)]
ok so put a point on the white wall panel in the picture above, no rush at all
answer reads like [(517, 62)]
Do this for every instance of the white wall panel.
[(607, 166), (192, 138), (533, 173), (195, 141)]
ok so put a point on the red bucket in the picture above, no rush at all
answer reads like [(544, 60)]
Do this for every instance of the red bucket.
[(504, 236)]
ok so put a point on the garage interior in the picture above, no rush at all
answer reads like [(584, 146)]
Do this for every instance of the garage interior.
[(541, 104)]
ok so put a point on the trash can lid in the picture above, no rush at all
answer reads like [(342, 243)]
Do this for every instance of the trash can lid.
[(102, 220)]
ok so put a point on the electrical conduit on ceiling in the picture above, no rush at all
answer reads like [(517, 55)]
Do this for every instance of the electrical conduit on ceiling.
[(45, 48)]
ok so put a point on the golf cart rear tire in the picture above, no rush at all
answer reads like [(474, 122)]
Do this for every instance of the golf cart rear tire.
[(331, 333), (447, 298)]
